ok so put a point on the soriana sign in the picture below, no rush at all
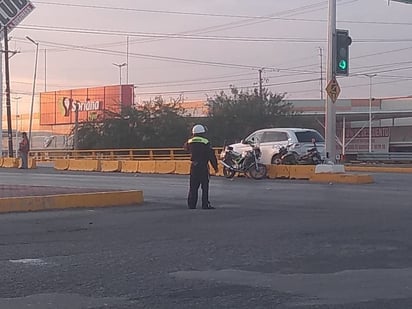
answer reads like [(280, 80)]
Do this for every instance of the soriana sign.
[(12, 12), (90, 104)]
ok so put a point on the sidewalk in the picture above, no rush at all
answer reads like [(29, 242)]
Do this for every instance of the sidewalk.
[(25, 191), (21, 198)]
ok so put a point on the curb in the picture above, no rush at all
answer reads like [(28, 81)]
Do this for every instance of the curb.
[(354, 179), (66, 201), (379, 169)]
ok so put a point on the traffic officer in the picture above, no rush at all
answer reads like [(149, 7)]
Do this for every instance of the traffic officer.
[(201, 154)]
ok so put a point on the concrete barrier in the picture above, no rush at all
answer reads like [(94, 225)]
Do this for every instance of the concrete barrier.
[(64, 201), (129, 166), (165, 167), (10, 162), (182, 167), (32, 164), (301, 171), (147, 167), (61, 164), (342, 178), (110, 166), (84, 165), (282, 171), (271, 171), (219, 170)]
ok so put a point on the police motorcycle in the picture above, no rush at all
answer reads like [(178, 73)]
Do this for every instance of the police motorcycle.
[(245, 163), (287, 157)]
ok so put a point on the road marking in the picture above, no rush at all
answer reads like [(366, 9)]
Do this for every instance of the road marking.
[(31, 262)]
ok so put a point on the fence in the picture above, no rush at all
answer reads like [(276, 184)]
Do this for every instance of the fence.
[(114, 154), (390, 157)]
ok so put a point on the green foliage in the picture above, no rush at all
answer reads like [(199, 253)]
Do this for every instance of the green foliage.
[(155, 124), (234, 116)]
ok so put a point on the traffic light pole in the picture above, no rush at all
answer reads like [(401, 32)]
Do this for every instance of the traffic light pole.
[(330, 115)]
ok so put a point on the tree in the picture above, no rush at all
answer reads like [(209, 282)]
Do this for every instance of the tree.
[(154, 124), (234, 116)]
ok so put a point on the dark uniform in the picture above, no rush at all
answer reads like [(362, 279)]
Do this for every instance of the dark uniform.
[(201, 154)]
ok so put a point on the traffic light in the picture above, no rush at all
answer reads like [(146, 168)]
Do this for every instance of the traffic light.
[(343, 41)]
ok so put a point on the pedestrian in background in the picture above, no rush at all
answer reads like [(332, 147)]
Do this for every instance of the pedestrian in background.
[(24, 149), (201, 153)]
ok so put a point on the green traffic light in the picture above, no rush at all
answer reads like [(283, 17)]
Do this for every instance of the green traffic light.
[(343, 64)]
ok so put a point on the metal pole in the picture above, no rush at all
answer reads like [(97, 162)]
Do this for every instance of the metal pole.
[(76, 128), (260, 83), (1, 99), (330, 119), (127, 61), (370, 109), (45, 70), (34, 86), (321, 73), (370, 114), (344, 137), (8, 97), (17, 124), (120, 66)]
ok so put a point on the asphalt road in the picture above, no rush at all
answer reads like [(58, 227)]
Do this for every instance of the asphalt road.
[(269, 244)]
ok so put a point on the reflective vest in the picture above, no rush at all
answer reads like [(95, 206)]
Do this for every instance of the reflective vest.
[(198, 139)]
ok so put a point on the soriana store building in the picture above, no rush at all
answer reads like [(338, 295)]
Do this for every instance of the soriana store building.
[(58, 108)]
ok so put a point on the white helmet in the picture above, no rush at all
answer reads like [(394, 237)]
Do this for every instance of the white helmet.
[(198, 129)]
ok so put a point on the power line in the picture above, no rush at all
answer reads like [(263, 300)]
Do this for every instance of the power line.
[(197, 37), (227, 88), (169, 35), (170, 12)]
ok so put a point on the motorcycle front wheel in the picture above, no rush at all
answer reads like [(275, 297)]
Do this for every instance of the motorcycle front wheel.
[(258, 171), (228, 173)]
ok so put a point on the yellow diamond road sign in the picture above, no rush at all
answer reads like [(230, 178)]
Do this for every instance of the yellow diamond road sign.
[(333, 90)]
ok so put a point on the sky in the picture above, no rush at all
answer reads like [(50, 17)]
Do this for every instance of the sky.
[(194, 48)]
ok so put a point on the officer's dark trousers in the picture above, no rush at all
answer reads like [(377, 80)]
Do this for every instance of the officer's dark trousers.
[(199, 175)]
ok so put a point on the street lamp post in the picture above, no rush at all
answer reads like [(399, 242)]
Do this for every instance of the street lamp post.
[(34, 85), (370, 109), (17, 116), (120, 66)]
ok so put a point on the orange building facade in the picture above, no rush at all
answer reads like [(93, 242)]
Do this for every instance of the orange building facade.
[(58, 108)]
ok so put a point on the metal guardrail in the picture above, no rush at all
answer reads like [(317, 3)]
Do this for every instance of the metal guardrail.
[(114, 154), (390, 157)]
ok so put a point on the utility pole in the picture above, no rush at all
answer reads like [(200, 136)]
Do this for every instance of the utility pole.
[(76, 128), (321, 73), (34, 85), (120, 66), (8, 97), (45, 70), (370, 109), (260, 83), (1, 99), (127, 61), (330, 117), (17, 116)]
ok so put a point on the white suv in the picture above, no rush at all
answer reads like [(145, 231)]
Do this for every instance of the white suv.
[(270, 141)]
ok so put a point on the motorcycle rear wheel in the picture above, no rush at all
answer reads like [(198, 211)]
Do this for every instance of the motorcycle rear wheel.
[(228, 173), (257, 171)]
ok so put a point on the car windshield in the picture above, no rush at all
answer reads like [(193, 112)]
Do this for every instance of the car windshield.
[(306, 136)]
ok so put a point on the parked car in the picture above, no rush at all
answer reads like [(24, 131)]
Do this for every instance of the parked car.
[(298, 140)]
